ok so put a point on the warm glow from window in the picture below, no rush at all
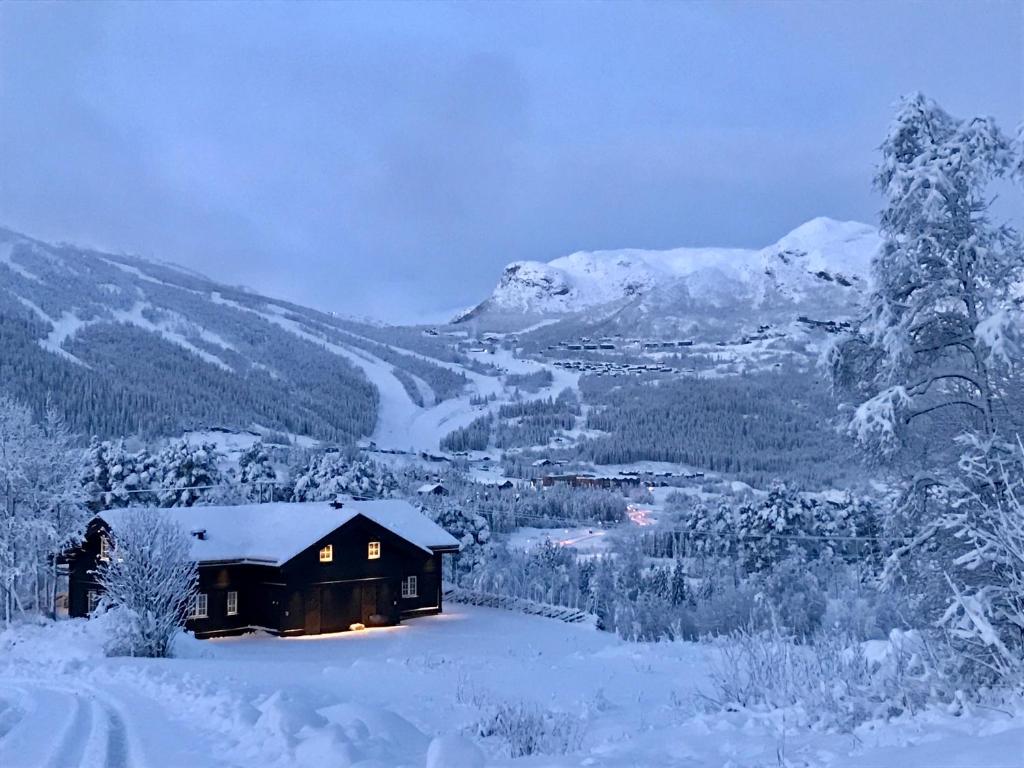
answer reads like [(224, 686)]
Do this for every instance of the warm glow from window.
[(327, 554), (373, 551)]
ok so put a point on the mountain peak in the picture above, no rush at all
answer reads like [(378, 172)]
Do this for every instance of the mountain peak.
[(822, 250)]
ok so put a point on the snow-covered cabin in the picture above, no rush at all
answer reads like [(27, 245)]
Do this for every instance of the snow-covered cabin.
[(432, 489), (292, 568)]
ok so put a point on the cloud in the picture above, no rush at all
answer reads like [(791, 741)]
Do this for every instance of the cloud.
[(390, 159)]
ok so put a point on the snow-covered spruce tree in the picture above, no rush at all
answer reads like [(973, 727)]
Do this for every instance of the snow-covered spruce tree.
[(256, 473), (936, 363), (942, 327), (187, 473), (339, 472), (470, 529), (115, 477), (147, 583)]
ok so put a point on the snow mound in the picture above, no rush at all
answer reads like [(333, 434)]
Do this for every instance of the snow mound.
[(454, 751)]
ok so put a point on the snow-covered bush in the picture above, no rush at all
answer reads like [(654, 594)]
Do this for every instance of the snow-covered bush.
[(529, 730), (830, 681), (147, 582)]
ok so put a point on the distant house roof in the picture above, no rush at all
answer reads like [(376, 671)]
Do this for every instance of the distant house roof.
[(275, 533), (432, 488)]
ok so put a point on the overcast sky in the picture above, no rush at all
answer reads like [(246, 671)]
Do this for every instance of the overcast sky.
[(389, 160)]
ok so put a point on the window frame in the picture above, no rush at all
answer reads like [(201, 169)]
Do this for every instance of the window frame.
[(92, 601), (232, 610), (327, 553), (199, 598), (373, 550), (104, 547), (410, 587)]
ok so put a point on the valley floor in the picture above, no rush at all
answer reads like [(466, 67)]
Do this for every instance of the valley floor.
[(377, 698)]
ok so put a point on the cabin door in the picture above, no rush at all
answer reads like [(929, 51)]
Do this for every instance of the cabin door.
[(339, 607), (369, 606), (312, 625)]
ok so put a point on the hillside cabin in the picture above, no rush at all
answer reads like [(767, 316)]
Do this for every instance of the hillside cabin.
[(292, 569), (432, 489)]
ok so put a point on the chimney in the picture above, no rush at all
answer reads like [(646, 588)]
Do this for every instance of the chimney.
[(337, 502), (199, 533)]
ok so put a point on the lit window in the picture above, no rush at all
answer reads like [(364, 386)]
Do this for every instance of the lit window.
[(410, 587), (93, 598), (327, 554), (104, 547), (373, 552), (232, 603), (199, 607)]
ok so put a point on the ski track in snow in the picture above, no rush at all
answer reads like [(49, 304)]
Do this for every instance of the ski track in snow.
[(64, 723)]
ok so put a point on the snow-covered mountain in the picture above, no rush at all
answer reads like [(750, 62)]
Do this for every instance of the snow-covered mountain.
[(124, 346), (821, 264)]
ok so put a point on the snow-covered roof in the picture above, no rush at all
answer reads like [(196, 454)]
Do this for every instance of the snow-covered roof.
[(430, 488), (275, 533)]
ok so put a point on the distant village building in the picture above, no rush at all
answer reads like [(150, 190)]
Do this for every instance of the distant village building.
[(587, 481), (432, 489), (292, 569)]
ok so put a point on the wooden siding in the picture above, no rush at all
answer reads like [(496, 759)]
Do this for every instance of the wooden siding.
[(304, 595)]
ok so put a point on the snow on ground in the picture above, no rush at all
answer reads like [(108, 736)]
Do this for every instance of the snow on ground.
[(379, 698), (584, 539)]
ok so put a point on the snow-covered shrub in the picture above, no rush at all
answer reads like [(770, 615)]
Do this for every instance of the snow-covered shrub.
[(529, 730), (147, 582), (829, 681)]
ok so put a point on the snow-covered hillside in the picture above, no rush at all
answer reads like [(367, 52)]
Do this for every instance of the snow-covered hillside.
[(130, 346), (822, 257), (429, 693)]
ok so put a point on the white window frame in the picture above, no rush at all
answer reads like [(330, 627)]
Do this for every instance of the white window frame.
[(410, 587), (199, 607), (373, 550), (104, 547), (232, 607), (92, 601), (327, 553)]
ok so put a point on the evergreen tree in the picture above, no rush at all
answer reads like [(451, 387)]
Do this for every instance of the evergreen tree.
[(256, 473), (188, 473)]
